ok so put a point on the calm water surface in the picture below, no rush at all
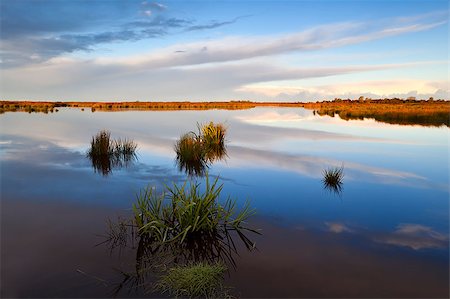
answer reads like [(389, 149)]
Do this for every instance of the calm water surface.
[(385, 235)]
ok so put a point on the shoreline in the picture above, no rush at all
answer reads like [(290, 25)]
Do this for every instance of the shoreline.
[(393, 111), (5, 104)]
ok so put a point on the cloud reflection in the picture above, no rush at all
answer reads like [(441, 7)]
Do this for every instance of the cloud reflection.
[(414, 236), (312, 166), (250, 145), (411, 235), (42, 170), (338, 227)]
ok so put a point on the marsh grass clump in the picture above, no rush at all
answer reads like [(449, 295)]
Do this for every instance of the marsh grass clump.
[(101, 144), (213, 138), (195, 280), (185, 212), (124, 150), (106, 153), (191, 156), (195, 151), (333, 178), (183, 238)]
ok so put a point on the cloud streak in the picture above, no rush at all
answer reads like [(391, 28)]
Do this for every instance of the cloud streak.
[(240, 48), (127, 82)]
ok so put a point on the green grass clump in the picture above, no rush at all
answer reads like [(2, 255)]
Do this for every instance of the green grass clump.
[(184, 235), (101, 144), (213, 138), (196, 151), (191, 154), (197, 280), (332, 178), (185, 212), (106, 153)]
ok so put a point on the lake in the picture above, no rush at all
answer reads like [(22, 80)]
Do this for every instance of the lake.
[(385, 234)]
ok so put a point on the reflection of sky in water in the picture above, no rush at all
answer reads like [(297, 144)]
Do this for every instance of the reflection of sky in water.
[(391, 220), (393, 174)]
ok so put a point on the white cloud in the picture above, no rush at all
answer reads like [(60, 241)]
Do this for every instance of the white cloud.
[(375, 89), (68, 78), (159, 5)]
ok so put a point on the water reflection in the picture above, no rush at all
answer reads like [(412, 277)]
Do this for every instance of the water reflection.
[(105, 164), (153, 258), (395, 116), (404, 249), (414, 236), (106, 153), (183, 227)]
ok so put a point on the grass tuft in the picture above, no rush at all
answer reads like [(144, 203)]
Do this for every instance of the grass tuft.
[(186, 230), (196, 151), (185, 212), (333, 178), (191, 155), (213, 139), (106, 153), (196, 280)]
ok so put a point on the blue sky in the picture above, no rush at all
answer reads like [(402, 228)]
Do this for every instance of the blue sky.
[(223, 50)]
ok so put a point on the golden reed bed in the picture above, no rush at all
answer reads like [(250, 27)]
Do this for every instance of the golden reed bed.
[(394, 111)]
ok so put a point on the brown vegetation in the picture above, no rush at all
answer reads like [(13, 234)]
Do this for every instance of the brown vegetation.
[(395, 111), (32, 106)]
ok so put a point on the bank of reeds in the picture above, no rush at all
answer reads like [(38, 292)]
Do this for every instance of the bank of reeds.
[(394, 111)]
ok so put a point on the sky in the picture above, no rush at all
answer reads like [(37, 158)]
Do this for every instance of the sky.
[(105, 50)]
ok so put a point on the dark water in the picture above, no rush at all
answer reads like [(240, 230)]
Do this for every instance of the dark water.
[(385, 235)]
